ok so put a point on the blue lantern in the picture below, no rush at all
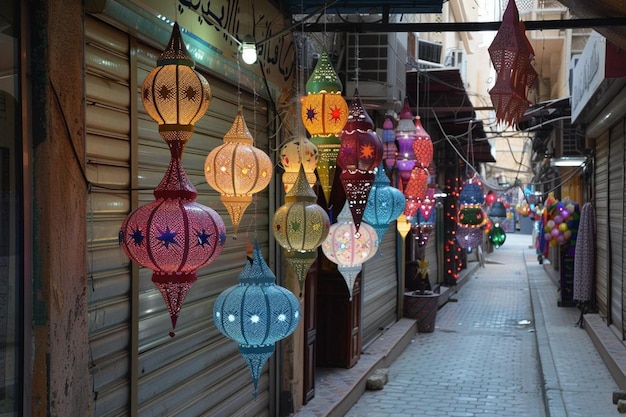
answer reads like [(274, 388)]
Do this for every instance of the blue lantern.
[(256, 313), (384, 205)]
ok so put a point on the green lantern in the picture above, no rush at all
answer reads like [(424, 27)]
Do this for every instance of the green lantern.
[(497, 236)]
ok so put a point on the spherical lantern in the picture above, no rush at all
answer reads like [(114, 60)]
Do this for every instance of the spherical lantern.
[(384, 205), (174, 236), (423, 145), (298, 152), (497, 236), (405, 136), (256, 313), (174, 94), (360, 153), (237, 169), (324, 113), (390, 149), (349, 249), (300, 225)]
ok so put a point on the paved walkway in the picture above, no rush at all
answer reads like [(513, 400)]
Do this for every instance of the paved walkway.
[(502, 347)]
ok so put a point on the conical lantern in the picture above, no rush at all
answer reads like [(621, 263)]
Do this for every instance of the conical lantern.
[(423, 145), (174, 236), (349, 249), (360, 153), (237, 169), (256, 313), (298, 152), (390, 149), (300, 225), (384, 205), (324, 113), (405, 136)]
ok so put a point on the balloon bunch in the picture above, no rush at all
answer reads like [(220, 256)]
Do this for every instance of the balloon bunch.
[(560, 220)]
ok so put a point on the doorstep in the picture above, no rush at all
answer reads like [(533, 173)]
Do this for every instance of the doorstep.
[(611, 349)]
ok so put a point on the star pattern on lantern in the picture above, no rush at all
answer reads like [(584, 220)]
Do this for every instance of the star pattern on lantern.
[(137, 236), (203, 237), (167, 237)]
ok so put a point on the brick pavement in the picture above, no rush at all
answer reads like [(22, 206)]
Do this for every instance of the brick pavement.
[(492, 350)]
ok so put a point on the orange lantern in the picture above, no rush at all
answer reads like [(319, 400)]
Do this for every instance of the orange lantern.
[(296, 153)]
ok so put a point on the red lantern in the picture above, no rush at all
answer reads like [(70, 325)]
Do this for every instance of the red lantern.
[(423, 145), (360, 153), (415, 191)]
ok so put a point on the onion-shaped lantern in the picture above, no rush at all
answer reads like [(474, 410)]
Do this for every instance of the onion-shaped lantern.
[(384, 205), (497, 236), (423, 145), (349, 249), (360, 153), (471, 199), (324, 113), (298, 152), (390, 149), (256, 313), (174, 236), (300, 226), (237, 169), (405, 136)]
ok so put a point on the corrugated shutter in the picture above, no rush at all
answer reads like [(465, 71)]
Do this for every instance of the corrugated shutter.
[(616, 220), (108, 127), (602, 222), (198, 372), (380, 283)]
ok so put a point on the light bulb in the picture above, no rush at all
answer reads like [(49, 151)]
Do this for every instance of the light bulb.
[(248, 52)]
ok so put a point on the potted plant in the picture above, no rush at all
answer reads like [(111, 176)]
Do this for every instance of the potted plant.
[(420, 302)]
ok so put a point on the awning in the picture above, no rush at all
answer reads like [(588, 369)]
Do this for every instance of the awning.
[(446, 109)]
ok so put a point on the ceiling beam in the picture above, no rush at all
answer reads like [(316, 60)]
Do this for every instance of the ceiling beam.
[(369, 27)]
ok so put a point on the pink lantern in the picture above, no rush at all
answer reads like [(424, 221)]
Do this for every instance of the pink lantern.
[(389, 144), (174, 236), (349, 249)]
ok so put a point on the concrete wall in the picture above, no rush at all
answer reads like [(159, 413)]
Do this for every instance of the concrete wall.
[(61, 384)]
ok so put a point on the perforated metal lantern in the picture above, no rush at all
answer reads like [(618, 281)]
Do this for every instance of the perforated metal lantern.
[(422, 145), (390, 149), (497, 212), (296, 153), (384, 205), (300, 225), (469, 237), (360, 153), (405, 136), (349, 249), (256, 313), (237, 169), (174, 236), (471, 198), (415, 191)]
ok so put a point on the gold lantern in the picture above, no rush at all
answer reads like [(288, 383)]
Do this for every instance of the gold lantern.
[(296, 153), (237, 169), (300, 226), (324, 113)]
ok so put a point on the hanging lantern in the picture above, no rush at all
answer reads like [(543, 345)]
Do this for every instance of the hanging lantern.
[(298, 152), (360, 153), (497, 236), (324, 113), (237, 169), (469, 237), (497, 212), (471, 199), (422, 146), (423, 226), (427, 203), (256, 313), (491, 198), (405, 136), (174, 236), (300, 225), (389, 144), (349, 249), (415, 191), (384, 205), (403, 226)]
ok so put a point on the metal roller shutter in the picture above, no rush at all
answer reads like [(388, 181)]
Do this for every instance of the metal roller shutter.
[(602, 223), (380, 283), (198, 372), (616, 220), (108, 128)]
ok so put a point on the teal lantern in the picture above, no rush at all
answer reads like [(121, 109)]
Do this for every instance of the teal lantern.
[(256, 313), (384, 205), (497, 236)]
